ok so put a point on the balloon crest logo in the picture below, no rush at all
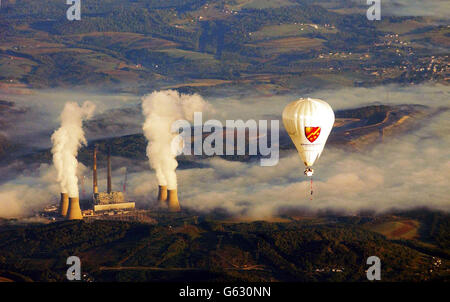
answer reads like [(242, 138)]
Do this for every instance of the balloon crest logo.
[(312, 133)]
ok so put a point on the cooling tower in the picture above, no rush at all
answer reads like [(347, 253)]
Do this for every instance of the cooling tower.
[(109, 172), (162, 196), (64, 204), (174, 205), (74, 209), (94, 171)]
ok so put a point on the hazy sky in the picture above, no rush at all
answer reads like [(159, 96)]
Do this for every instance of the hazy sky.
[(431, 8)]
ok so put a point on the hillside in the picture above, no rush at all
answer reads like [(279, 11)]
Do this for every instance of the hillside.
[(355, 130), (8, 114), (199, 44), (185, 247)]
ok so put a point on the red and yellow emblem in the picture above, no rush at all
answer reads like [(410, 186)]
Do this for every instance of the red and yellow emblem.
[(312, 133)]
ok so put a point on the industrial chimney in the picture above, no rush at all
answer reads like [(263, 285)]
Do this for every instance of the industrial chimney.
[(94, 169), (64, 204), (174, 205), (162, 196), (109, 171), (74, 211)]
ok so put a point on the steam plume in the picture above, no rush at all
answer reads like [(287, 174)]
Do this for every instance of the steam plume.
[(66, 142), (161, 109)]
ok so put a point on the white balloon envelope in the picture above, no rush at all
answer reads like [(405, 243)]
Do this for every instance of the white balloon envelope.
[(308, 122)]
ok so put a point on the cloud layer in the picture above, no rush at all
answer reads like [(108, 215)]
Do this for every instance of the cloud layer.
[(414, 8), (405, 171), (429, 8)]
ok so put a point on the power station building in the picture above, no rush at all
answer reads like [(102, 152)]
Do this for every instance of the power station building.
[(101, 201), (109, 200)]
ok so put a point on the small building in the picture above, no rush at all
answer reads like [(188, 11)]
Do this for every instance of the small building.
[(104, 201)]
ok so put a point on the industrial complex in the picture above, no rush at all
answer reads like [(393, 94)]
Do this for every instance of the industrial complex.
[(101, 201), (111, 203)]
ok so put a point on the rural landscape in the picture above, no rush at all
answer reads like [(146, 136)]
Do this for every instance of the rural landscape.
[(380, 187)]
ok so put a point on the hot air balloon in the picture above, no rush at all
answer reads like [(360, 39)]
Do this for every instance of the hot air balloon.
[(308, 122)]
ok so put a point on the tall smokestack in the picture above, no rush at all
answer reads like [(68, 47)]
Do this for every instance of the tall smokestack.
[(162, 196), (66, 142), (64, 204), (74, 209), (94, 170), (109, 170), (174, 205)]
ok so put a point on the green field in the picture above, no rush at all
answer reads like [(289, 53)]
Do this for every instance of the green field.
[(288, 30), (260, 4), (403, 229), (189, 55)]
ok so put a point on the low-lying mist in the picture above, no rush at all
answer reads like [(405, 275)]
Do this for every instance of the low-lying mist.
[(405, 171)]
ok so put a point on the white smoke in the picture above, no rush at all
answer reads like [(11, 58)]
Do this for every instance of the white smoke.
[(30, 191), (407, 170), (66, 142), (161, 109)]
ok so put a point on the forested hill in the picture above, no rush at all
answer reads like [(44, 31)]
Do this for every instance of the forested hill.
[(185, 247)]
